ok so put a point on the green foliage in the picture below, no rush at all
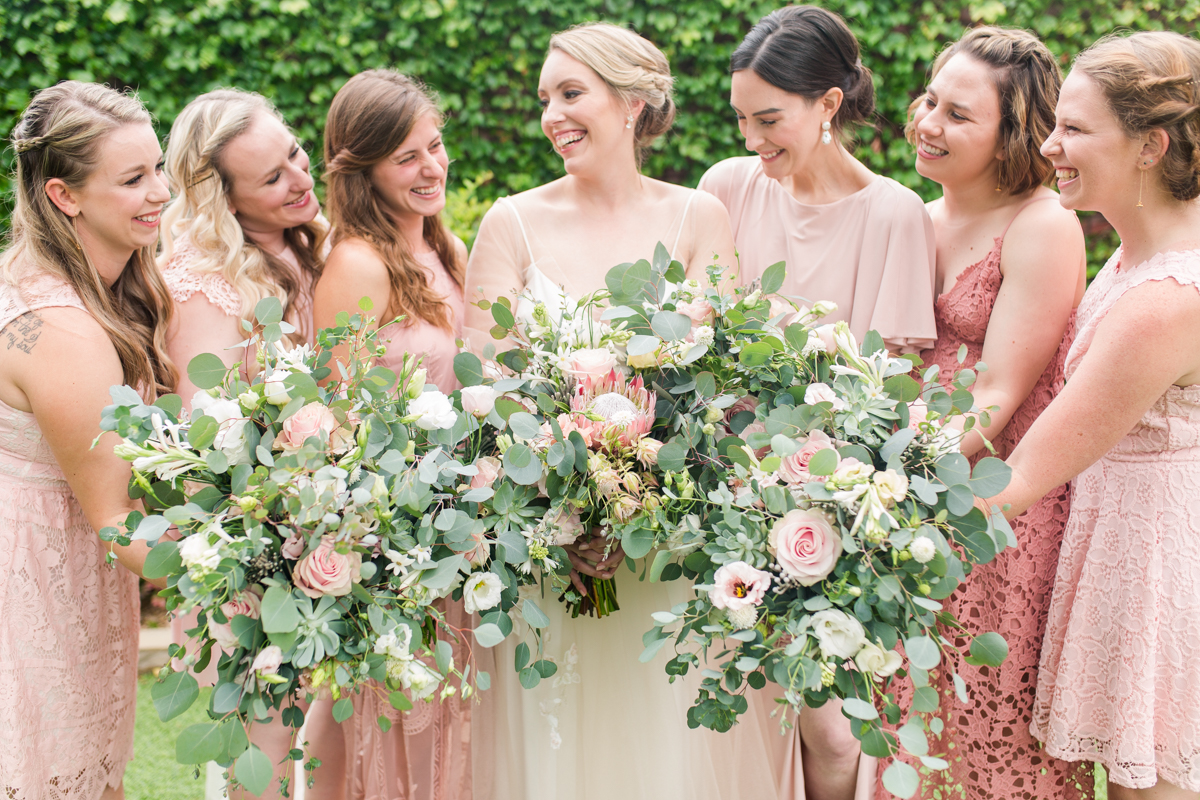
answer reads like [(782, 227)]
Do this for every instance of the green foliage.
[(483, 57)]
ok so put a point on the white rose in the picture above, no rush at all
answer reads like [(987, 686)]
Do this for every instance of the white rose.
[(874, 660), (923, 549), (892, 486), (274, 390), (195, 551), (478, 401), (823, 393), (433, 411), (481, 591), (420, 679), (838, 634), (268, 660)]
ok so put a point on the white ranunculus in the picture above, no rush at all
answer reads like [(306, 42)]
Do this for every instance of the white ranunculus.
[(433, 411), (838, 634), (923, 549), (274, 390), (478, 401), (481, 591), (874, 660), (419, 679), (195, 551)]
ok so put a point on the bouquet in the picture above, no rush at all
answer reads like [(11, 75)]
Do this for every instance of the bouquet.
[(317, 526)]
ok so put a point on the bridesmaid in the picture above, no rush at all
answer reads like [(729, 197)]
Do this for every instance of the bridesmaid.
[(1118, 682), (244, 225), (82, 308), (605, 726), (847, 235), (386, 170), (1010, 270)]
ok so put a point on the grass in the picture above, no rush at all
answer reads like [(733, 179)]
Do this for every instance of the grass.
[(154, 774)]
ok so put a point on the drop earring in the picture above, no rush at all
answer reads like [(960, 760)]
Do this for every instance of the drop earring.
[(826, 136), (629, 121), (1142, 182)]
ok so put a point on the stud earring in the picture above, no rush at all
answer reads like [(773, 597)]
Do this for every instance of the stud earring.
[(826, 136), (629, 121)]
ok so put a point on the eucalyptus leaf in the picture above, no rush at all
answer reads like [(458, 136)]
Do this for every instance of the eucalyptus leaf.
[(206, 371), (253, 767)]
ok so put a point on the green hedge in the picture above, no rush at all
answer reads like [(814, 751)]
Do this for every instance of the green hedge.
[(483, 57)]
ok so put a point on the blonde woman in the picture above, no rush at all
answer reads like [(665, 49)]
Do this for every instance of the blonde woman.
[(244, 225), (82, 308), (386, 169), (605, 725)]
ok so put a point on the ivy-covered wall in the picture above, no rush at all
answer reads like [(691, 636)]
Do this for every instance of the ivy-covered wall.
[(483, 58)]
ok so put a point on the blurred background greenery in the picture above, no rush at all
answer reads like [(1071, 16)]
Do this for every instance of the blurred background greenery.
[(483, 56)]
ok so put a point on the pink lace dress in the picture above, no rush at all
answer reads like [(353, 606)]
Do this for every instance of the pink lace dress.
[(68, 622), (1120, 675), (987, 740)]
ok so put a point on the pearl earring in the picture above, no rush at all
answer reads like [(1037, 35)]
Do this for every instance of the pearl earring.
[(826, 136), (629, 121)]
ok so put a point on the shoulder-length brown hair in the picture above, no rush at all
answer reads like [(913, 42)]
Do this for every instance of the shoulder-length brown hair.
[(59, 136), (1027, 78), (370, 117)]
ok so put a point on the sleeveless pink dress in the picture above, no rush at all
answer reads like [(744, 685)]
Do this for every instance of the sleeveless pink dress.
[(987, 740), (1120, 675), (68, 622), (426, 755)]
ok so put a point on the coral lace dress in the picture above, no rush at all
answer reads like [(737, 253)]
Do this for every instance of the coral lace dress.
[(68, 622)]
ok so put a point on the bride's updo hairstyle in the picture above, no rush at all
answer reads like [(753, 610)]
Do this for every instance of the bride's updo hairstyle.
[(807, 51), (1027, 79), (632, 67), (59, 136), (200, 209), (1152, 80), (370, 117)]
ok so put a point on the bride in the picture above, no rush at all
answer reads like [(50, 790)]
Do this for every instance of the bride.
[(605, 725)]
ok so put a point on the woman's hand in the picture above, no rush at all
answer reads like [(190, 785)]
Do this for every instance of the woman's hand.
[(588, 558)]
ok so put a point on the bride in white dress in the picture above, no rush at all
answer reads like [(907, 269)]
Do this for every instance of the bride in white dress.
[(605, 726)]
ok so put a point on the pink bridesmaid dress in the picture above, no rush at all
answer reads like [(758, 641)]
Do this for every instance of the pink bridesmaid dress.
[(68, 622), (987, 740), (426, 754), (1120, 674)]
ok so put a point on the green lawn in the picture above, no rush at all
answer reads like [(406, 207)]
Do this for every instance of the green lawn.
[(154, 774)]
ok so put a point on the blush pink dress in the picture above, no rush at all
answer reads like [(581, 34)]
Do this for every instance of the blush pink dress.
[(426, 755), (987, 740), (68, 622), (1120, 674)]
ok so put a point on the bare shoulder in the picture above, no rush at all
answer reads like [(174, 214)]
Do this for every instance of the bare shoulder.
[(354, 258), (1046, 218), (708, 209), (69, 338), (1043, 235)]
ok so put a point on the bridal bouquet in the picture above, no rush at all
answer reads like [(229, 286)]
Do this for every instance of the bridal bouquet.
[(317, 526)]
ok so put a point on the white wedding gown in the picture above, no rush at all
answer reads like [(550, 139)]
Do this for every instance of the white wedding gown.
[(606, 726)]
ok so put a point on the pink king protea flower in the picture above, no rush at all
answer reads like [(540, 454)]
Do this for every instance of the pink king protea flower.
[(626, 409)]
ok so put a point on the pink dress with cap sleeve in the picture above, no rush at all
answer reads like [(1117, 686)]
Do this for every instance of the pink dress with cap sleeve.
[(987, 740), (68, 622), (1119, 681)]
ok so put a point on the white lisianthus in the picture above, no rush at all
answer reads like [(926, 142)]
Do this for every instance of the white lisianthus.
[(874, 660), (268, 660), (478, 401), (419, 679), (823, 393), (703, 336), (394, 646), (481, 591), (892, 486), (823, 308), (923, 549), (231, 425), (196, 551), (838, 634), (274, 390), (433, 411), (852, 471), (742, 618)]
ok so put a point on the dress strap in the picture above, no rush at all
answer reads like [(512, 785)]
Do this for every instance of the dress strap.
[(520, 224), (1024, 205), (683, 219)]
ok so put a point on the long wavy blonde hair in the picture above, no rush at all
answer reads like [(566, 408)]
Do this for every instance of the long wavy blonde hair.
[(200, 210), (369, 118), (59, 136)]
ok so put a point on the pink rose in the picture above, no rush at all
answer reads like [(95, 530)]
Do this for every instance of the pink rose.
[(738, 585), (292, 547), (591, 363), (826, 334), (247, 604), (489, 471), (478, 555), (806, 546), (917, 413), (756, 427), (311, 420), (794, 468), (268, 660), (700, 312), (744, 403), (325, 571)]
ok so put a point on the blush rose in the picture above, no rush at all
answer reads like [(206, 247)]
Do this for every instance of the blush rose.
[(806, 546), (325, 571)]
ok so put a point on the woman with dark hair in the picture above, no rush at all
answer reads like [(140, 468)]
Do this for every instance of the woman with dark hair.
[(1010, 271), (847, 235), (385, 168)]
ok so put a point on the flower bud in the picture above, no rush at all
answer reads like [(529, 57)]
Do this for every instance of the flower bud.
[(416, 384), (709, 429), (713, 414), (247, 503), (249, 399), (854, 591)]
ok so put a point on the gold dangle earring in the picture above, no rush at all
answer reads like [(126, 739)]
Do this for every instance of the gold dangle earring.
[(1142, 182), (76, 232)]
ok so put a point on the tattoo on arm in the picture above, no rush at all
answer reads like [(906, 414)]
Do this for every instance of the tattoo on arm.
[(23, 332)]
